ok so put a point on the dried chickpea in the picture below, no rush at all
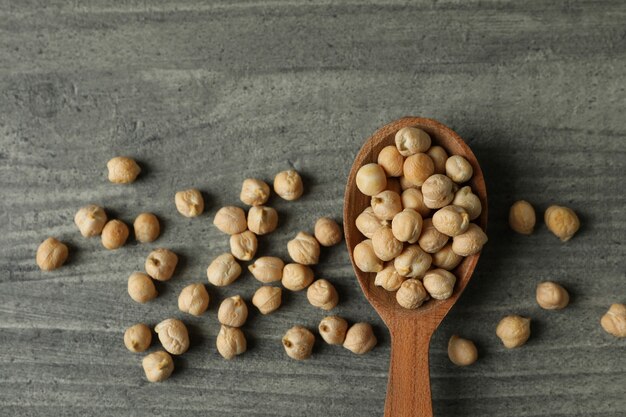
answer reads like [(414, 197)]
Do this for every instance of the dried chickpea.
[(522, 217), (431, 240), (230, 220), (223, 270), (386, 246), (386, 205), (417, 168), (371, 179), (114, 234), (51, 254), (298, 342), (406, 184), (158, 366), (231, 341), (141, 288), (254, 192), (412, 199), (161, 263), (193, 299), (90, 220), (551, 296), (122, 170), (437, 191), (233, 311), (360, 338), (466, 199), (411, 294), (333, 330), (614, 320), (189, 203), (514, 331), (296, 277), (147, 227), (406, 226), (411, 140), (262, 220), (288, 185), (439, 283), (391, 161), (322, 294), (412, 262), (267, 299), (451, 220), (368, 223), (439, 157), (562, 222), (267, 269), (365, 258), (173, 335), (388, 278), (304, 249), (243, 245), (137, 338), (393, 184), (469, 243), (462, 352), (459, 169), (327, 232), (446, 258)]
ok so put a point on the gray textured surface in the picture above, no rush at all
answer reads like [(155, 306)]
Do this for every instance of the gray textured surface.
[(206, 94)]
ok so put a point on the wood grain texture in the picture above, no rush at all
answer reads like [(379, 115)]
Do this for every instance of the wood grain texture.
[(205, 94)]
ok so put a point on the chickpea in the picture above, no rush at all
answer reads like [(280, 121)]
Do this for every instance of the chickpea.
[(51, 254), (411, 294), (254, 192), (431, 240), (411, 140), (459, 169), (469, 243), (137, 338), (141, 288), (406, 226), (439, 157), (360, 338), (267, 269), (552, 296), (288, 185), (522, 217), (371, 179), (327, 232), (304, 249), (462, 352), (90, 220), (243, 245), (562, 222), (393, 184), (368, 223), (514, 331), (386, 205), (161, 263), (262, 220), (446, 258), (233, 312), (122, 170), (405, 184), (388, 278), (322, 294), (437, 191), (417, 168), (296, 277), (298, 343), (386, 246), (439, 283), (147, 228), (391, 161), (451, 220), (158, 366), (230, 220), (231, 342), (333, 330), (224, 270), (412, 199), (412, 262), (466, 199), (193, 299), (173, 335), (365, 258), (114, 234), (267, 299), (614, 320), (189, 203)]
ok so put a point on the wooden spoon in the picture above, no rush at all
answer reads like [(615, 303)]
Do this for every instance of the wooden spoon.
[(408, 389)]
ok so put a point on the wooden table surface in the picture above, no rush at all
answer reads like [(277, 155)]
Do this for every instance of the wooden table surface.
[(205, 94)]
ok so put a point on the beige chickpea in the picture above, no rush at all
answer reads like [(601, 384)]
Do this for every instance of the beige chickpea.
[(412, 199), (262, 220), (462, 352), (388, 278), (296, 277), (288, 185), (147, 227), (267, 299), (551, 296), (141, 287), (230, 342), (267, 269), (469, 243), (446, 258), (90, 220), (368, 223), (451, 220), (137, 338), (360, 338), (406, 226), (562, 222), (223, 270), (417, 168), (439, 157), (51, 254), (391, 161), (158, 366), (304, 249), (298, 342), (322, 294), (189, 203), (114, 234), (371, 179), (333, 330), (514, 331), (458, 169), (614, 320), (327, 232), (466, 199), (522, 217), (173, 336), (393, 184), (412, 262), (411, 140), (437, 191), (439, 283), (243, 245), (386, 205), (230, 220), (123, 170), (365, 258), (254, 192), (386, 246), (161, 263), (431, 240), (411, 294), (405, 184), (233, 311), (193, 299)]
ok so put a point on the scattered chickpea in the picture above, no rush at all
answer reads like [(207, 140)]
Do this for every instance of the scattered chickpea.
[(552, 296), (386, 205), (466, 199), (439, 157), (254, 192), (438, 191), (514, 331), (231, 342), (411, 140), (297, 277), (360, 338), (158, 366), (122, 170), (267, 299), (462, 352), (417, 168), (405, 184), (368, 223), (412, 199), (224, 270), (262, 220), (439, 283), (51, 254), (304, 249), (411, 294), (431, 240), (451, 220), (298, 343), (230, 220), (388, 278), (90, 220), (173, 335), (288, 185), (365, 257), (412, 262), (233, 311), (189, 203), (562, 222), (161, 263), (267, 269), (147, 228), (193, 299), (393, 184), (322, 294), (333, 330), (327, 232), (114, 234), (446, 258), (386, 246), (522, 217), (243, 245), (141, 288), (371, 179), (459, 169), (406, 226), (469, 243), (391, 161), (137, 338), (614, 320)]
